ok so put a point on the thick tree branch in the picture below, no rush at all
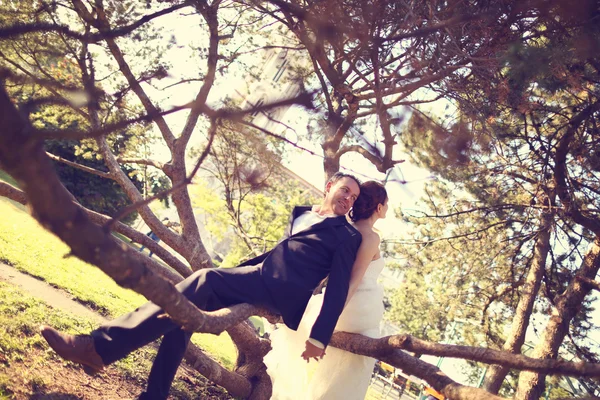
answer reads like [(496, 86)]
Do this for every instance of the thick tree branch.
[(377, 161), (11, 192), (177, 166), (21, 29), (388, 349), (181, 185), (236, 384), (382, 113), (382, 348), (589, 282), (565, 308)]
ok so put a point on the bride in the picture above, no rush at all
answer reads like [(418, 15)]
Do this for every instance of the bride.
[(339, 374)]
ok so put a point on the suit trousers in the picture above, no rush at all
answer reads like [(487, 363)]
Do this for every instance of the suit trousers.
[(209, 290)]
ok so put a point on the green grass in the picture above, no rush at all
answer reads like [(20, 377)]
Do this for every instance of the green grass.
[(20, 317), (28, 247), (7, 178)]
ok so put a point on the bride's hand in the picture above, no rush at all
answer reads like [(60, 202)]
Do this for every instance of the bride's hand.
[(312, 351)]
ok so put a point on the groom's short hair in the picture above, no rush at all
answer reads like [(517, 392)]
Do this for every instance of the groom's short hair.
[(339, 175)]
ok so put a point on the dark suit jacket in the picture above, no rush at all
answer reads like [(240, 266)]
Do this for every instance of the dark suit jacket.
[(296, 266)]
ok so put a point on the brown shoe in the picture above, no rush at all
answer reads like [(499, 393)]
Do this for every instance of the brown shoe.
[(79, 349)]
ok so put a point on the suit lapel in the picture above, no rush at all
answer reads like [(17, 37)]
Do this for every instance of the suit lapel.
[(297, 211)]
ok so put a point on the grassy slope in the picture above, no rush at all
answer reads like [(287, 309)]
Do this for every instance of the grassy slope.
[(20, 317), (25, 245), (28, 369)]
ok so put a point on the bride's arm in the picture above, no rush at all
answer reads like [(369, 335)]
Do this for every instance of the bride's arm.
[(367, 251)]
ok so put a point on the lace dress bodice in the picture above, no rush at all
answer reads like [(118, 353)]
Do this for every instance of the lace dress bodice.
[(372, 274)]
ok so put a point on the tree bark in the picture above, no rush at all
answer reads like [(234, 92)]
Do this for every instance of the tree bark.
[(189, 243), (496, 373), (531, 385), (181, 269)]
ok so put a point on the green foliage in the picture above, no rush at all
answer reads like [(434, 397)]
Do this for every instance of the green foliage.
[(79, 102), (558, 392), (248, 194), (94, 192), (456, 268), (263, 216), (415, 308), (28, 247), (505, 163), (206, 199)]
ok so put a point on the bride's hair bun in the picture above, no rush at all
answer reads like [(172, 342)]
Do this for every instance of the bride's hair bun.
[(371, 195)]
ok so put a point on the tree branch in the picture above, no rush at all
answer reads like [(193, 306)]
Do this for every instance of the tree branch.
[(438, 26), (20, 28), (383, 347), (103, 25), (128, 210), (141, 161), (106, 175), (561, 174), (51, 205), (410, 87), (210, 15), (304, 99), (11, 192), (589, 282), (388, 350), (462, 235)]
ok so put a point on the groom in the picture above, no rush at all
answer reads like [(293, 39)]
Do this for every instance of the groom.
[(316, 244)]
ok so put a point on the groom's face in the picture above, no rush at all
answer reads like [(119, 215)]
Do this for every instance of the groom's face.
[(341, 195)]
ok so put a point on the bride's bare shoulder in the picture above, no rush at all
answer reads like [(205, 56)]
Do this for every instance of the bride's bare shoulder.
[(368, 233)]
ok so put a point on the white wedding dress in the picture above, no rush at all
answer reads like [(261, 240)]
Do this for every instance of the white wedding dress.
[(340, 374)]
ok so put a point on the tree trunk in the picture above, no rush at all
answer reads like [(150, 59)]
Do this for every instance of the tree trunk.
[(531, 385), (331, 163), (495, 374)]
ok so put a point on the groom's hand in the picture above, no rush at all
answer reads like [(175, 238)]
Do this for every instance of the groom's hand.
[(312, 351)]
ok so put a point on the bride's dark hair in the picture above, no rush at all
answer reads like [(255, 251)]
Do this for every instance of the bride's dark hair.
[(371, 195)]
